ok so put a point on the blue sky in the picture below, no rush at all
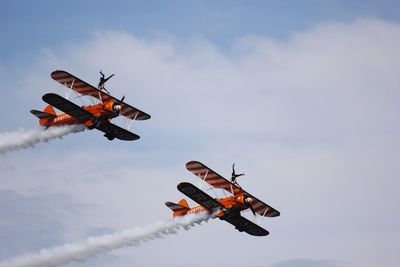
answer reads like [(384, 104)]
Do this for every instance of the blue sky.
[(301, 95), (29, 26)]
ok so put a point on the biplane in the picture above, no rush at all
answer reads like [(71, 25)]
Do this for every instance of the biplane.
[(228, 208), (96, 116)]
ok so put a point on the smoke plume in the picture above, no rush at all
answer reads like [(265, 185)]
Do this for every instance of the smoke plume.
[(24, 139), (73, 252)]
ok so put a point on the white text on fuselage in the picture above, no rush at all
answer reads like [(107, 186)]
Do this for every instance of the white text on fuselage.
[(196, 209), (62, 117)]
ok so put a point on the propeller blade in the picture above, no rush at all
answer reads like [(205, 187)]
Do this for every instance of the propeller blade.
[(233, 173), (252, 209), (122, 99)]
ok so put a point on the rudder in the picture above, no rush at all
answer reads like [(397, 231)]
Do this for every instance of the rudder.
[(183, 203), (50, 110), (46, 116)]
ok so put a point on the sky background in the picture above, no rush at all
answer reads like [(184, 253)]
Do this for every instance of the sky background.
[(301, 95)]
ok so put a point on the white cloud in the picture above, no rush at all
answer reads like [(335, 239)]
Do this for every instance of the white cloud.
[(307, 263), (312, 121), (30, 222)]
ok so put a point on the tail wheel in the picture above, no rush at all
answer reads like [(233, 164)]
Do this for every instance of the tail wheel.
[(110, 136)]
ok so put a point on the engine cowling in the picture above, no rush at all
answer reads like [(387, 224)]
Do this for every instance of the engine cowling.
[(112, 106), (243, 199)]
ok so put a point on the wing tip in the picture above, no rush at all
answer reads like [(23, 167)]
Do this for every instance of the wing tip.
[(193, 162), (169, 203), (45, 96), (180, 185), (146, 117), (276, 214)]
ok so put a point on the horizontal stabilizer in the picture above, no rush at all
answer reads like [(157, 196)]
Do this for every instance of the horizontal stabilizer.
[(42, 115), (176, 207)]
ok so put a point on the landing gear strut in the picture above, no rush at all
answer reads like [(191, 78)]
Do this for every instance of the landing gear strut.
[(110, 136)]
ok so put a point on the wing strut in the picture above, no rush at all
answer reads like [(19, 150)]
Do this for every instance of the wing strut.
[(259, 218), (70, 89), (137, 113), (129, 123), (101, 99), (202, 178), (265, 212), (212, 188)]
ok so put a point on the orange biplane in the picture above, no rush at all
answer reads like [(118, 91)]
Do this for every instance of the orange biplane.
[(92, 116), (228, 208)]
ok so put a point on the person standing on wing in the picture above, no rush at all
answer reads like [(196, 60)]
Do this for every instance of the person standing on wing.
[(103, 81), (234, 176)]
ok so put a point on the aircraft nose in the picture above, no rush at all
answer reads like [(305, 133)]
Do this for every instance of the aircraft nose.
[(249, 200), (117, 107)]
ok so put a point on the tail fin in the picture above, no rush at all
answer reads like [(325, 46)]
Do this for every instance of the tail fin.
[(183, 203), (46, 116), (178, 209), (50, 110)]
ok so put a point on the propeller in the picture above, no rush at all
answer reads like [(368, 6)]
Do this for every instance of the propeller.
[(122, 99), (117, 108), (233, 177), (248, 201), (252, 210)]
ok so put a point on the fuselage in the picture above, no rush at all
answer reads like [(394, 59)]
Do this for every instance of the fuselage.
[(101, 111), (237, 202)]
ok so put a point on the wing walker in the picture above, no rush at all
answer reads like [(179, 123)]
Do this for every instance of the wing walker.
[(228, 208), (96, 116)]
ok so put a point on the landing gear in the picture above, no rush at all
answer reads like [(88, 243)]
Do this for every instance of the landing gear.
[(110, 136), (97, 123)]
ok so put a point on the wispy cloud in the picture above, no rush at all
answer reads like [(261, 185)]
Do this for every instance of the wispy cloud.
[(307, 263)]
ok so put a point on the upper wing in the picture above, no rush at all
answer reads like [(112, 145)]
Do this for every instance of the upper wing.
[(200, 197), (217, 181), (211, 177), (68, 107), (243, 224), (84, 88), (117, 132)]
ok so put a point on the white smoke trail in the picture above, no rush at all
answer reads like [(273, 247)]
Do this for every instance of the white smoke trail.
[(24, 139), (73, 252)]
